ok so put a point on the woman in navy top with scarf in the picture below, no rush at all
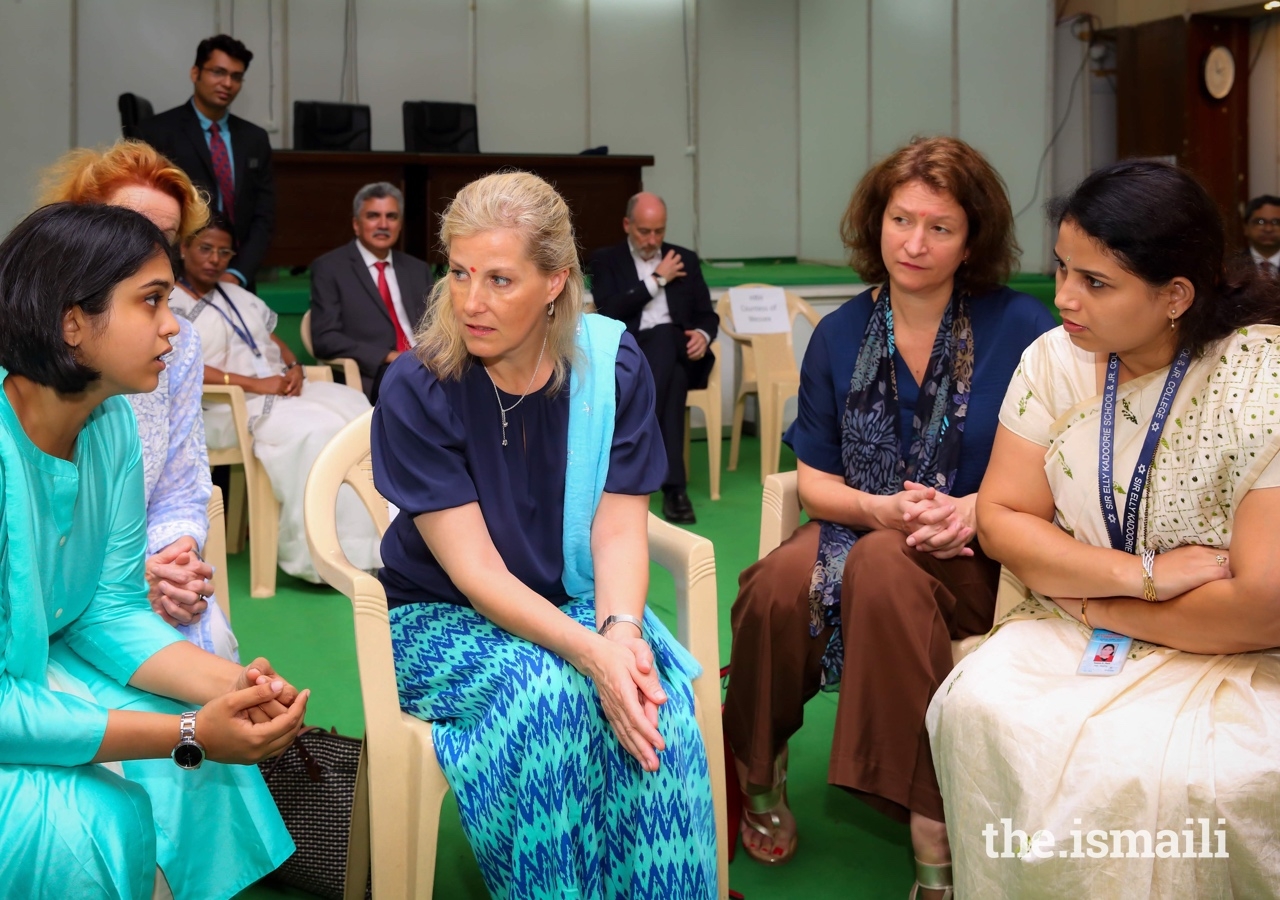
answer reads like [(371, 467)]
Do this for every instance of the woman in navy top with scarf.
[(520, 444), (899, 394)]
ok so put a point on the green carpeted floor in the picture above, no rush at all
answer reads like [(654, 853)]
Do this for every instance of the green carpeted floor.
[(290, 294), (846, 851)]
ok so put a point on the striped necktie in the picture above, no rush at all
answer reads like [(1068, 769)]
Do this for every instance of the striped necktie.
[(222, 172)]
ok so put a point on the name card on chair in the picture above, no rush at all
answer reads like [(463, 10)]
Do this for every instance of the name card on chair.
[(759, 310)]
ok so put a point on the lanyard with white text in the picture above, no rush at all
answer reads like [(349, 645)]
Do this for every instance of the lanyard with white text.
[(1124, 538)]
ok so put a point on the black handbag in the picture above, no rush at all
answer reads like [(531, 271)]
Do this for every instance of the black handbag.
[(318, 785)]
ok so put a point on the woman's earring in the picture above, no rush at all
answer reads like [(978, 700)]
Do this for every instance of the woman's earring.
[(1173, 319), (551, 309)]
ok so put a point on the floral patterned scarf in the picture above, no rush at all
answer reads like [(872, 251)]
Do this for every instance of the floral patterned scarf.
[(870, 445)]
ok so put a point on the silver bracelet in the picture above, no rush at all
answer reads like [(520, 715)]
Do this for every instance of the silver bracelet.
[(614, 620)]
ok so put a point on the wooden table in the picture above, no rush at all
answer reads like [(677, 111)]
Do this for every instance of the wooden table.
[(314, 191)]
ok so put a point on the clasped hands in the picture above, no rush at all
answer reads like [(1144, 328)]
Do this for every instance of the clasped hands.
[(934, 523), (257, 718), (287, 385), (622, 666), (178, 583)]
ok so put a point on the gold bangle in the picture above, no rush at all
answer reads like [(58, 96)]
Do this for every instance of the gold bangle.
[(1084, 606), (226, 377), (1148, 576)]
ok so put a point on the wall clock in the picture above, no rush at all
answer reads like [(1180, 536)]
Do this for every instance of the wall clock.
[(1219, 72)]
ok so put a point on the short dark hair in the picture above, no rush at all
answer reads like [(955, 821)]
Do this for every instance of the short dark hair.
[(944, 164), (220, 222), (1160, 223), (1258, 202), (63, 256), (228, 45)]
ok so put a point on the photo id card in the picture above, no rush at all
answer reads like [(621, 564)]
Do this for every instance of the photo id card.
[(1105, 653)]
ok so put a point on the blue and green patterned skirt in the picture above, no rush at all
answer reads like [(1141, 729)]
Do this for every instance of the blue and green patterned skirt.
[(552, 804)]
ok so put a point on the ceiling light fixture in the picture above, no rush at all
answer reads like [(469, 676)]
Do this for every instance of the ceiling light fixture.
[(1273, 4)]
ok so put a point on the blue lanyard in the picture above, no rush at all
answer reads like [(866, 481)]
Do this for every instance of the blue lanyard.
[(1125, 538), (242, 331)]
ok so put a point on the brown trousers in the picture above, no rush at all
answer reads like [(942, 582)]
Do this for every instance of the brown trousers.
[(900, 609)]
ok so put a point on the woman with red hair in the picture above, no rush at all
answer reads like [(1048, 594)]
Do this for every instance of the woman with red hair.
[(170, 421)]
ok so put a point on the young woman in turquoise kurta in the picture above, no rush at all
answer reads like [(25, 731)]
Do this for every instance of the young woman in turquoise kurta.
[(89, 804)]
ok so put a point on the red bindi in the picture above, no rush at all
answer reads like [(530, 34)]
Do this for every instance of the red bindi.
[(473, 268)]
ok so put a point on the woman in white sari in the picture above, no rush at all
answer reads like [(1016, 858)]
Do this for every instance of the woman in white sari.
[(290, 419), (1162, 780)]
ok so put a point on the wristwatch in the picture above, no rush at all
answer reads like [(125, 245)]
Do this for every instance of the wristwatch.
[(661, 282), (188, 754)]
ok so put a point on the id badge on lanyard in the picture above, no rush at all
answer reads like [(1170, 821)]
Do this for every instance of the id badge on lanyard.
[(262, 368), (1106, 651)]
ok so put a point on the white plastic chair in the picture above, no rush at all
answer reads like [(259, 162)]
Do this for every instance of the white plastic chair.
[(215, 551), (770, 372), (349, 367), (710, 401), (404, 781), (251, 501)]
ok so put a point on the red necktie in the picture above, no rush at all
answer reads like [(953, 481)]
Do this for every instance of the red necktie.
[(402, 342), (222, 172)]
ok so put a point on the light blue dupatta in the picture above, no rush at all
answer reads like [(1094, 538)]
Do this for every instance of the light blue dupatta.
[(593, 406)]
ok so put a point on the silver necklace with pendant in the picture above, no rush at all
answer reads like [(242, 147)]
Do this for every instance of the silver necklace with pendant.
[(506, 409)]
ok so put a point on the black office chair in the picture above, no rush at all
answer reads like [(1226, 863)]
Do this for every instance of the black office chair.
[(331, 126), (434, 127), (133, 109)]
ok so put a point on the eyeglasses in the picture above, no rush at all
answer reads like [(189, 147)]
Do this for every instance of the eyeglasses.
[(220, 73), (1274, 223), (210, 250)]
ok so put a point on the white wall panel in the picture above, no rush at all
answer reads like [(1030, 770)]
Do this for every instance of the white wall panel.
[(639, 98), (316, 29), (532, 79), (911, 71), (35, 65), (1006, 62), (833, 119), (1071, 152), (145, 47), (412, 50), (795, 97), (748, 142)]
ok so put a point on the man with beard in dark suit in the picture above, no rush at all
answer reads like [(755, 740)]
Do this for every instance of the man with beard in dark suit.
[(656, 289), (222, 154), (366, 298)]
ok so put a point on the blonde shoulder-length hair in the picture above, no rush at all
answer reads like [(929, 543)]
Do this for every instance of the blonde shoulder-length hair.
[(524, 202)]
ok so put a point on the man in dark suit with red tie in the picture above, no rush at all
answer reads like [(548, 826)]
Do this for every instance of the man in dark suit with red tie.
[(366, 298), (658, 292), (227, 157)]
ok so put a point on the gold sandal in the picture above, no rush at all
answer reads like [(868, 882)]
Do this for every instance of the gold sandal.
[(933, 877), (768, 804)]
